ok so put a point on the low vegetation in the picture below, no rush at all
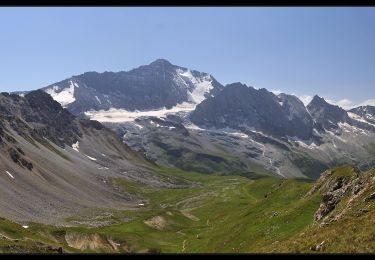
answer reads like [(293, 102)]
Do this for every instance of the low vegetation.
[(217, 214)]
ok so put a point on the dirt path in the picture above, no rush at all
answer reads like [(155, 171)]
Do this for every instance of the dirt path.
[(189, 215), (8, 238), (184, 245)]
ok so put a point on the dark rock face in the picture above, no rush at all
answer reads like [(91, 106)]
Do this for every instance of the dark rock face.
[(157, 85), (38, 116), (326, 116), (300, 122), (60, 126), (240, 107)]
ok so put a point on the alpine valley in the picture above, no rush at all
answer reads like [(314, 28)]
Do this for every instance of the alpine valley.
[(163, 159)]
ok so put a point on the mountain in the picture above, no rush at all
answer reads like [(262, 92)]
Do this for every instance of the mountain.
[(54, 165), (157, 85), (186, 162), (326, 116), (183, 118), (320, 135), (245, 108), (366, 113), (330, 117)]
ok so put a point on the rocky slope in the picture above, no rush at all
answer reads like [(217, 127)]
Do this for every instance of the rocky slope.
[(53, 164), (365, 112), (344, 221), (247, 143)]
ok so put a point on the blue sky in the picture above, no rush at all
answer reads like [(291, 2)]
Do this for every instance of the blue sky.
[(304, 51)]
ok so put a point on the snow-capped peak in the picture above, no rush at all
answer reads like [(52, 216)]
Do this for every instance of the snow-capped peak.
[(65, 96)]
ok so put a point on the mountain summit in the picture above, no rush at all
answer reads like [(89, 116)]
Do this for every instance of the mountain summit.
[(155, 86), (326, 116), (241, 107)]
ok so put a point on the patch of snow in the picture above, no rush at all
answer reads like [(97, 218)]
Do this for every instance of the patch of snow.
[(65, 96), (336, 136), (352, 129), (194, 127), (303, 143), (242, 135), (103, 168), (139, 126), (26, 227), (76, 146), (10, 175), (316, 131), (98, 99), (103, 154), (91, 158), (227, 130)]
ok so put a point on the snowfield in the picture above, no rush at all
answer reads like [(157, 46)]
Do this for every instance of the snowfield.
[(358, 118), (114, 115)]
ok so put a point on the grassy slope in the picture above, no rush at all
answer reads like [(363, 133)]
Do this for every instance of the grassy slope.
[(353, 232), (222, 214)]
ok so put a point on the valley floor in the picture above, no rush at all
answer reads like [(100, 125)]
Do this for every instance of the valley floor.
[(219, 214)]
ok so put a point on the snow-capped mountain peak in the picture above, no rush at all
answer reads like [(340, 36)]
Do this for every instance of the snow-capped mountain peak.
[(63, 95), (157, 86)]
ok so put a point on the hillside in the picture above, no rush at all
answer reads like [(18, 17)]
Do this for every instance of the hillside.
[(53, 165), (222, 214)]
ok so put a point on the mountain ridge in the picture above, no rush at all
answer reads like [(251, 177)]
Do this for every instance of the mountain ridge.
[(275, 131), (156, 85)]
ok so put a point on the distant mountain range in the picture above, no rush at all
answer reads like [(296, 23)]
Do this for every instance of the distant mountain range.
[(147, 105)]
